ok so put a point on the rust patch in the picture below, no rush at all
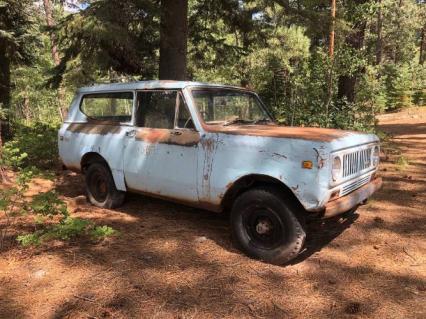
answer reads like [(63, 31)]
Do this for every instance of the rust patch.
[(165, 136), (197, 204), (349, 201), (91, 128), (320, 159), (305, 133), (209, 146)]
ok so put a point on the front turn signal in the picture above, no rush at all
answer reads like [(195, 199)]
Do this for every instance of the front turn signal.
[(307, 164)]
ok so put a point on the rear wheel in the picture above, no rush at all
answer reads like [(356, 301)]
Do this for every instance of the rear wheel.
[(100, 187), (265, 227)]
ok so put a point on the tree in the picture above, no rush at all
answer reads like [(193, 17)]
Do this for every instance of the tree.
[(379, 41), (16, 39), (50, 22), (353, 42), (173, 39), (108, 40)]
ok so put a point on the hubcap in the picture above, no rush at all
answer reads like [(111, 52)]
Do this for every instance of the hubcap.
[(263, 227)]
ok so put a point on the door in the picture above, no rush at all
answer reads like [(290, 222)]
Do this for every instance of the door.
[(160, 154)]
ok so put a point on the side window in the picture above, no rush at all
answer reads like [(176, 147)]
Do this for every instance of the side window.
[(115, 107), (184, 119), (156, 109)]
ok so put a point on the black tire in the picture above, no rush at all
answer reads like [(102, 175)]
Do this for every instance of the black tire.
[(265, 227), (100, 187)]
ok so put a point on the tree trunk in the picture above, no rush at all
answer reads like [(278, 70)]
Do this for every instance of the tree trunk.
[(5, 93), (423, 46), (4, 97), (173, 39), (347, 83), (332, 26), (55, 55), (331, 55), (397, 57), (379, 41)]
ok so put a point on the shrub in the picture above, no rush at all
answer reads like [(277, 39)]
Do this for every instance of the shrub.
[(32, 145)]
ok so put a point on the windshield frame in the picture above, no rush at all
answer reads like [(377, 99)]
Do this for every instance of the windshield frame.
[(229, 88)]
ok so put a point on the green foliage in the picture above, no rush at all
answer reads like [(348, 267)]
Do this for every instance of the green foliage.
[(13, 203), (68, 229), (16, 32), (102, 232), (49, 205), (402, 163), (278, 48), (32, 239), (34, 144)]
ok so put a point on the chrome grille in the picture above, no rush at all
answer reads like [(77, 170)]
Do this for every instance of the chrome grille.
[(357, 161), (355, 185)]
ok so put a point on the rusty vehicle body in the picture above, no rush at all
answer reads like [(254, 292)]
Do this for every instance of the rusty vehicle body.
[(209, 164)]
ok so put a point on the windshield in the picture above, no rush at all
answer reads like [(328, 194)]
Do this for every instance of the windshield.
[(227, 106)]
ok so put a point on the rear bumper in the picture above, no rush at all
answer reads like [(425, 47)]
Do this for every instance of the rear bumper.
[(345, 203)]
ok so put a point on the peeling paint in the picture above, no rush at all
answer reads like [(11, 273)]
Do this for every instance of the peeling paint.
[(164, 136), (91, 128), (321, 161), (305, 133)]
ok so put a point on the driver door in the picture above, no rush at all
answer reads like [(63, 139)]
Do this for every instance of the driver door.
[(161, 150)]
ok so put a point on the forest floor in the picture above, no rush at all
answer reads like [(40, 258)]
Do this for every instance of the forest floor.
[(172, 261)]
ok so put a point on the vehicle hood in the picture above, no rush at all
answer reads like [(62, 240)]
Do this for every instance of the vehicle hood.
[(291, 132)]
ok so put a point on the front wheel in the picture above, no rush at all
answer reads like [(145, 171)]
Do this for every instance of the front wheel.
[(100, 187), (265, 227)]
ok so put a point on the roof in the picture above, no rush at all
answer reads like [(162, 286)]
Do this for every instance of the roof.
[(156, 84)]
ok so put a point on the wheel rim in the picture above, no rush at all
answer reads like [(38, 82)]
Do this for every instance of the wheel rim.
[(98, 186), (264, 228)]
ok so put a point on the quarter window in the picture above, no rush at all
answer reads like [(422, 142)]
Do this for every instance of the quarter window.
[(115, 107)]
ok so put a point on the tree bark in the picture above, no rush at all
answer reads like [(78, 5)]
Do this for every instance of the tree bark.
[(379, 41), (347, 83), (331, 55), (173, 39), (55, 55), (423, 46), (5, 96), (332, 27), (5, 91)]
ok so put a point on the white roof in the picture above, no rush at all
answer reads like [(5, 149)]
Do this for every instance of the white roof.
[(157, 84)]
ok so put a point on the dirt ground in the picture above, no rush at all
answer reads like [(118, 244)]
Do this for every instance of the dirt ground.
[(171, 261)]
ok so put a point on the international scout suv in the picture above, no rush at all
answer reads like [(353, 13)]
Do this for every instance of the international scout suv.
[(217, 147)]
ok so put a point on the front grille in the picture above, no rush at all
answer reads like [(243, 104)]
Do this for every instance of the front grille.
[(355, 185), (357, 161)]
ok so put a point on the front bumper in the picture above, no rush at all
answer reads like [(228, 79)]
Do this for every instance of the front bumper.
[(345, 203)]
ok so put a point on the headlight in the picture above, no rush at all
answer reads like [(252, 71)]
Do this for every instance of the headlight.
[(375, 155), (336, 168)]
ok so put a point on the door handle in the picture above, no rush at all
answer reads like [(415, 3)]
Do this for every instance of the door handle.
[(131, 133), (176, 133)]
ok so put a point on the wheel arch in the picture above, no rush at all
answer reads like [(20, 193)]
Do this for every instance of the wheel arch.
[(247, 182), (94, 157)]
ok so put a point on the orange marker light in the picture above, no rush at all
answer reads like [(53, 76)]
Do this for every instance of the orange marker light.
[(307, 164)]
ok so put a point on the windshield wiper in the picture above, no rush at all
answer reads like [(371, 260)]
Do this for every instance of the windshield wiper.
[(237, 120)]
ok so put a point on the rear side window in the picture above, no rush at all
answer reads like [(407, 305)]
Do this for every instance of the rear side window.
[(116, 107)]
